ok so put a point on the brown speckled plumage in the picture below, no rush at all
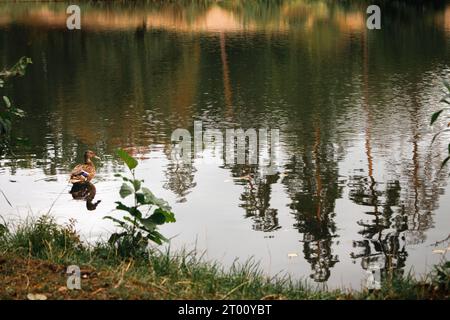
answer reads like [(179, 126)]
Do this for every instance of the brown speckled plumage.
[(84, 172)]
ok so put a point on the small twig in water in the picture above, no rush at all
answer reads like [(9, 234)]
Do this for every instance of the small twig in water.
[(442, 241), (6, 198), (59, 195)]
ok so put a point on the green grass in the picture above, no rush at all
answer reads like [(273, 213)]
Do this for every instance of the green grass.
[(35, 254)]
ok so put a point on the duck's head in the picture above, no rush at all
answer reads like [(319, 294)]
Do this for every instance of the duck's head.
[(88, 155)]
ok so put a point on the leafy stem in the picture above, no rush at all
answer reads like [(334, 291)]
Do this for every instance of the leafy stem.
[(435, 116), (138, 229)]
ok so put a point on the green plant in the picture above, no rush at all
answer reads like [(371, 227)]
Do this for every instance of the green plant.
[(141, 220), (42, 238), (167, 274), (442, 275), (9, 112), (437, 114)]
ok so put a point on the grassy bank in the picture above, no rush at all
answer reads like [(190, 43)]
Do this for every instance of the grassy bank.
[(35, 254)]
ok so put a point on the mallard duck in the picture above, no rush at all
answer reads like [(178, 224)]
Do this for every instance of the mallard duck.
[(84, 172)]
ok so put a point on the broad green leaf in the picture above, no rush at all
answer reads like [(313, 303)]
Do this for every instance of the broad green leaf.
[(147, 192), (121, 206), (5, 124), (135, 212), (149, 224), (163, 204), (158, 217), (116, 236), (131, 210), (445, 161), (168, 215), (435, 116), (129, 160), (140, 197), (136, 184), (19, 113), (156, 237), (7, 102), (119, 222), (132, 221), (151, 199), (125, 190)]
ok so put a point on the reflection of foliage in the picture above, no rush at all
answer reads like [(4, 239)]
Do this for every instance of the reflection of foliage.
[(138, 227), (180, 179), (318, 232), (9, 111), (313, 182), (17, 70), (256, 197), (160, 76), (319, 255), (383, 246)]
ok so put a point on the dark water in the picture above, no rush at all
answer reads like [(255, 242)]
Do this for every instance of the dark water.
[(358, 187)]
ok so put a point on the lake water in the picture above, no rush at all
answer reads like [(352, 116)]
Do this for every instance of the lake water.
[(357, 187)]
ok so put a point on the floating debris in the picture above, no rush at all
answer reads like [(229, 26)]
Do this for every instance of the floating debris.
[(440, 251)]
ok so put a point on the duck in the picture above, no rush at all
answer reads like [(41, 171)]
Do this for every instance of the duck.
[(84, 172)]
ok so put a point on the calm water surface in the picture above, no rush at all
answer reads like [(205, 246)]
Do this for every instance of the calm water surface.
[(358, 186)]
